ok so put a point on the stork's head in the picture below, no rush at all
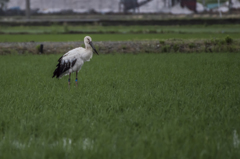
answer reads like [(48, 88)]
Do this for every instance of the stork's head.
[(87, 39), (88, 42)]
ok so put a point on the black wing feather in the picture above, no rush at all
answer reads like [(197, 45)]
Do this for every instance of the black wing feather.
[(62, 67)]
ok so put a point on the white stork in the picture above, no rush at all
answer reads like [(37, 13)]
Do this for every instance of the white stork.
[(73, 60)]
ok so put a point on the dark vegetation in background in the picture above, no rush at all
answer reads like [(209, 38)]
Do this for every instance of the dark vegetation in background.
[(132, 47)]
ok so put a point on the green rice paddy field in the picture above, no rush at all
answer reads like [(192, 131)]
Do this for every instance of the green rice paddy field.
[(110, 37), (115, 33), (226, 28), (126, 106)]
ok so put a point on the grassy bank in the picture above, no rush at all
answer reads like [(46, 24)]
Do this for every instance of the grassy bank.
[(126, 106), (213, 45)]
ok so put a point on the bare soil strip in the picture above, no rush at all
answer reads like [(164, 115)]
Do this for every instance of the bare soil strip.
[(134, 47)]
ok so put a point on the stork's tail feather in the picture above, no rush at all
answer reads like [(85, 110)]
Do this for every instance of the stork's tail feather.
[(63, 66), (57, 71)]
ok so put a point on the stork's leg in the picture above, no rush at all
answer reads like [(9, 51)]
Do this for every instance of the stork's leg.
[(69, 79), (76, 81)]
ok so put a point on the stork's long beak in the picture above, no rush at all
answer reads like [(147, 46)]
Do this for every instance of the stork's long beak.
[(93, 47)]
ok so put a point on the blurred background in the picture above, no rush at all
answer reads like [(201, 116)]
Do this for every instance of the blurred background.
[(174, 7), (39, 20)]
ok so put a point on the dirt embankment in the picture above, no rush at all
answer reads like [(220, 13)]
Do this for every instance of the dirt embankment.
[(134, 47)]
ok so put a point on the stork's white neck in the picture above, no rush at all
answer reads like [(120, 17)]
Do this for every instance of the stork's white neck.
[(87, 46), (88, 54)]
